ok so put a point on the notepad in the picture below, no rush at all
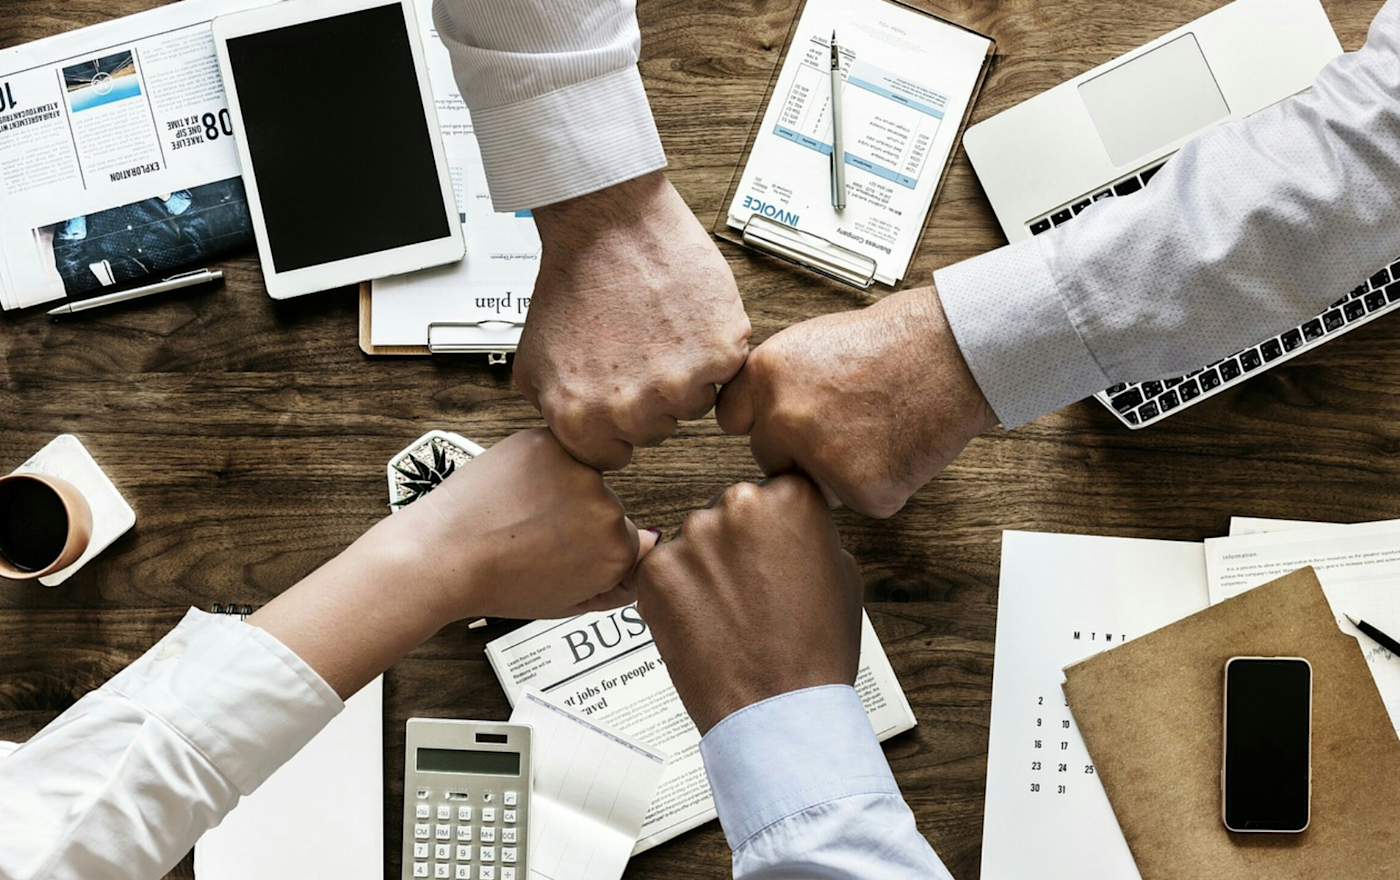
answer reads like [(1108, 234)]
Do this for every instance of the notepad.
[(320, 815), (590, 793)]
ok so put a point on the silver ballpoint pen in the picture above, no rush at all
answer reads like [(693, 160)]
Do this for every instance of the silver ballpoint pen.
[(838, 149), (175, 282)]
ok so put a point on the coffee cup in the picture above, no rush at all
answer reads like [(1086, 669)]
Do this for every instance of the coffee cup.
[(45, 525)]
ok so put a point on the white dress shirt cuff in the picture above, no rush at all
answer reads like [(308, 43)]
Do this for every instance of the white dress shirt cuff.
[(201, 679), (1019, 340), (791, 753), (568, 142)]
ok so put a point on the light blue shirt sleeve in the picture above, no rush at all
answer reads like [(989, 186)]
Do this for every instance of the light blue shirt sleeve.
[(1252, 228), (803, 791)]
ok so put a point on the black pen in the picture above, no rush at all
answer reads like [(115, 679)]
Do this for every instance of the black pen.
[(1381, 638)]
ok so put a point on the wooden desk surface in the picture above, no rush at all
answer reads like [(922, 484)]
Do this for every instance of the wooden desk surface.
[(251, 435)]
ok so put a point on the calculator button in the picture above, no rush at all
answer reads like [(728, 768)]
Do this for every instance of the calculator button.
[(442, 851), (507, 815), (441, 869), (464, 872), (464, 833), (508, 835), (423, 811), (507, 874), (464, 853), (420, 850), (508, 854), (464, 814), (488, 835), (488, 814), (509, 798), (488, 872), (420, 869), (444, 813), (422, 831), (444, 832), (487, 853)]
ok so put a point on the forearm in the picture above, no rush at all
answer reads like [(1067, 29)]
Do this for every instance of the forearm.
[(359, 613), (554, 93), (1248, 230)]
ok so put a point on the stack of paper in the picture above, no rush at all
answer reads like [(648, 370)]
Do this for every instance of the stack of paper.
[(1065, 597)]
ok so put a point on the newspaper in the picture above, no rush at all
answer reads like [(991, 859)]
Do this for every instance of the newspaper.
[(117, 161), (605, 666)]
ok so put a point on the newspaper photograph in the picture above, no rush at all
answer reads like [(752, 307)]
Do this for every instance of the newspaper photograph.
[(120, 124), (605, 666)]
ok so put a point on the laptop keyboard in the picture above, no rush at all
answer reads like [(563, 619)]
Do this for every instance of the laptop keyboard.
[(1139, 404)]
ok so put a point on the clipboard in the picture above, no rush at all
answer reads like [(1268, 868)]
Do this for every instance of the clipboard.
[(494, 339), (770, 229)]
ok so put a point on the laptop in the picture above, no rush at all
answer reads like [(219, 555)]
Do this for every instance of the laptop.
[(1106, 132)]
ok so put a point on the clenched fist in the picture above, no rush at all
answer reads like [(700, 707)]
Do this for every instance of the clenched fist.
[(635, 320), (870, 404)]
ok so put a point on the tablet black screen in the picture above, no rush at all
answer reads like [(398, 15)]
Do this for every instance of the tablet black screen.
[(340, 146)]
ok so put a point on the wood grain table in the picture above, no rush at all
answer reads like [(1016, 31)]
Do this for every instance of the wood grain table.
[(251, 435)]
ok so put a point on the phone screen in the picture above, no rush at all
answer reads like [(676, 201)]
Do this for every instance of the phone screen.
[(1268, 720)]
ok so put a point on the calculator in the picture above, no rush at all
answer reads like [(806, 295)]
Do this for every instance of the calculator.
[(466, 800)]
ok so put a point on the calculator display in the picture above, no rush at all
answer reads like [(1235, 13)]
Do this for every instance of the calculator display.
[(468, 761)]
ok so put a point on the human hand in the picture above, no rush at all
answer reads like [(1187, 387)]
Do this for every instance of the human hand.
[(870, 404), (523, 530), (754, 598), (634, 320)]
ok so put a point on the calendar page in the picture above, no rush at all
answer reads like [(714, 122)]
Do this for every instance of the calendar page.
[(1063, 598)]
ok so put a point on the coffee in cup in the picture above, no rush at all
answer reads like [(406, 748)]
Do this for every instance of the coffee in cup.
[(45, 525)]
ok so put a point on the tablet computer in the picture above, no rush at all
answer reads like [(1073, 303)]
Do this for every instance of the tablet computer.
[(338, 135)]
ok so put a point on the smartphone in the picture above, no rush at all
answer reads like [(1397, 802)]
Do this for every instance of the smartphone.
[(1266, 775)]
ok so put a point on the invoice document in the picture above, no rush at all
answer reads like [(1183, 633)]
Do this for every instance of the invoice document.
[(908, 79), (1063, 598)]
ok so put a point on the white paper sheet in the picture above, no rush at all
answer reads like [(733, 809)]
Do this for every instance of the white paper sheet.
[(908, 81), (494, 282), (590, 793), (1357, 565), (1063, 598), (320, 815)]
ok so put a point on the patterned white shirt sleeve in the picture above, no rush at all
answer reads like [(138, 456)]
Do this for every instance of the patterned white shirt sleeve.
[(1250, 229), (121, 785), (804, 793), (554, 93)]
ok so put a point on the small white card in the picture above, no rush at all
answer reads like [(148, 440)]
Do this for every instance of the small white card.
[(590, 793)]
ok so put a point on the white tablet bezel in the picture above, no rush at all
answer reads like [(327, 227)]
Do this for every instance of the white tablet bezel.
[(352, 270)]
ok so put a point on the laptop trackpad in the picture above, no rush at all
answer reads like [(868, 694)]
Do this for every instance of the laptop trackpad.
[(1152, 100)]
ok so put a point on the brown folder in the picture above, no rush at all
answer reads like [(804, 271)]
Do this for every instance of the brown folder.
[(1150, 713)]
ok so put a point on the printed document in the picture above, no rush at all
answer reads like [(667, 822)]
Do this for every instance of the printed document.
[(117, 160), (490, 289), (605, 667), (908, 79), (1357, 565), (1062, 599), (589, 795)]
